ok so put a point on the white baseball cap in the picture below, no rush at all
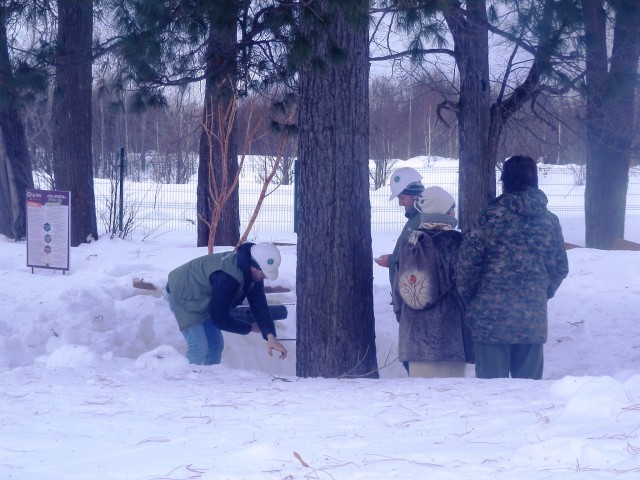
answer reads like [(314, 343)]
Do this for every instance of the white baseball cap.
[(267, 256), (401, 179)]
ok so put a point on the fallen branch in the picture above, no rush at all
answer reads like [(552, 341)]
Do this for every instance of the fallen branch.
[(297, 455), (346, 375)]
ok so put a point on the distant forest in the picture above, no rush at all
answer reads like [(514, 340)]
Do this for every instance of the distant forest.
[(406, 120)]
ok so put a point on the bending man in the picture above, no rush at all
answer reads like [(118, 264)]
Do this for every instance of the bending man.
[(204, 291)]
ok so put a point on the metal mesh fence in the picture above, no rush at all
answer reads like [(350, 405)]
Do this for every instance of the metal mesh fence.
[(156, 206)]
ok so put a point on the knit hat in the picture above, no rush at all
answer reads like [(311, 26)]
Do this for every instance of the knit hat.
[(415, 188), (435, 200), (402, 179)]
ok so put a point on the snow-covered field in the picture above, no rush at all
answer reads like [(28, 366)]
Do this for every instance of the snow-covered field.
[(94, 384)]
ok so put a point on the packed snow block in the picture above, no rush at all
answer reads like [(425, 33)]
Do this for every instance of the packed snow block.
[(276, 289), (144, 285), (147, 285), (622, 244), (243, 313), (618, 244)]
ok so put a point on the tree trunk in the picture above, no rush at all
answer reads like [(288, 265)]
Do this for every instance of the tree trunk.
[(15, 164), (611, 119), (71, 116), (219, 91), (477, 179), (334, 278)]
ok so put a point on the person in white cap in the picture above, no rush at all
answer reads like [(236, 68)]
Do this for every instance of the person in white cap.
[(406, 186), (433, 341), (204, 292)]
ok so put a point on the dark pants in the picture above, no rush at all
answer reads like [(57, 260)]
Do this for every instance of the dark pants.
[(500, 360)]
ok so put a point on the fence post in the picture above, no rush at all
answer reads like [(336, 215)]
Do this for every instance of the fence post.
[(121, 211), (295, 196)]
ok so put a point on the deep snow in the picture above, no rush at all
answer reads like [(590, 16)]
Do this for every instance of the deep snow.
[(94, 383)]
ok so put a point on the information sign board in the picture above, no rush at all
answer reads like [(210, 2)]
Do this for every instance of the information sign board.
[(48, 221)]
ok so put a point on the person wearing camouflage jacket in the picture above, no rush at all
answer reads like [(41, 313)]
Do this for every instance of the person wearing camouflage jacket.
[(509, 265)]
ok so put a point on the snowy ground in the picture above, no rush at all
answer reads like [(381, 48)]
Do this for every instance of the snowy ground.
[(94, 385)]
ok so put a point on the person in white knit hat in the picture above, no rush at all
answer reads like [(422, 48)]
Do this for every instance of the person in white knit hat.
[(436, 200), (433, 340)]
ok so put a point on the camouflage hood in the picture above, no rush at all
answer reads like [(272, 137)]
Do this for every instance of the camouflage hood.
[(526, 203)]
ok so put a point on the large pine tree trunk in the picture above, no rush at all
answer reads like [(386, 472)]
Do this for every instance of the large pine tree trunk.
[(477, 179), (15, 164), (219, 91), (334, 279), (71, 116), (611, 119)]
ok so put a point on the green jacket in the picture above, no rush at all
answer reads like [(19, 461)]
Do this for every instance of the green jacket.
[(413, 223), (509, 265), (191, 289), (212, 285)]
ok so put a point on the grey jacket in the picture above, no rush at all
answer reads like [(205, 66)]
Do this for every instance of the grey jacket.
[(438, 333)]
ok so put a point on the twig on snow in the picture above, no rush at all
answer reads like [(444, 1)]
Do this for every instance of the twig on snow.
[(384, 458), (297, 455)]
